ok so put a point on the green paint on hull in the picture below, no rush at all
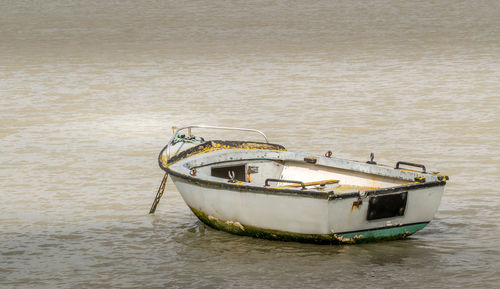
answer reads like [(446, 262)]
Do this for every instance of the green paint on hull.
[(383, 233), (347, 238)]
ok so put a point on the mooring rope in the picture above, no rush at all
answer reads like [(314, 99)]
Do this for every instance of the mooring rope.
[(161, 189)]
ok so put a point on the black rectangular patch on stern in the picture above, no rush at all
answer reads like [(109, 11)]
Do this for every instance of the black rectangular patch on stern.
[(387, 206)]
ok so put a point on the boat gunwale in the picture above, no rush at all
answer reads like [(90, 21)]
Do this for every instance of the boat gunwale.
[(240, 186), (330, 195)]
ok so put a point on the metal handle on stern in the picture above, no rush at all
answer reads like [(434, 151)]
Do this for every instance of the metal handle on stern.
[(411, 165)]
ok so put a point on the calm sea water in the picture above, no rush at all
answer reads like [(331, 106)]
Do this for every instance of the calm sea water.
[(89, 92)]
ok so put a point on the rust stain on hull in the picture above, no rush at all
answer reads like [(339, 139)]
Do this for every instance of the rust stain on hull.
[(356, 204)]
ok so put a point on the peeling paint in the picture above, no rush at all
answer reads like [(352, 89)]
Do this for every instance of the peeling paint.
[(211, 146), (346, 240), (237, 224), (164, 160)]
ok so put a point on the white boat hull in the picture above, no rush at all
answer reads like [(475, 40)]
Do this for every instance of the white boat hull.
[(300, 218), (227, 185)]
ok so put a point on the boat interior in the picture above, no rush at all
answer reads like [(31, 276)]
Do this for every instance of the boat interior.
[(295, 171)]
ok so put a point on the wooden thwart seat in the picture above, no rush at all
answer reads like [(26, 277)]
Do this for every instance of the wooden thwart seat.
[(316, 183)]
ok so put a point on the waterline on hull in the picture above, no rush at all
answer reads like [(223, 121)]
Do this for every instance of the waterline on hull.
[(379, 234)]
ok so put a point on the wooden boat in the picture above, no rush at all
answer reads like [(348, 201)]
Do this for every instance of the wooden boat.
[(260, 189)]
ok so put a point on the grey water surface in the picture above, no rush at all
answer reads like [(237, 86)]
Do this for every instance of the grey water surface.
[(89, 91)]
